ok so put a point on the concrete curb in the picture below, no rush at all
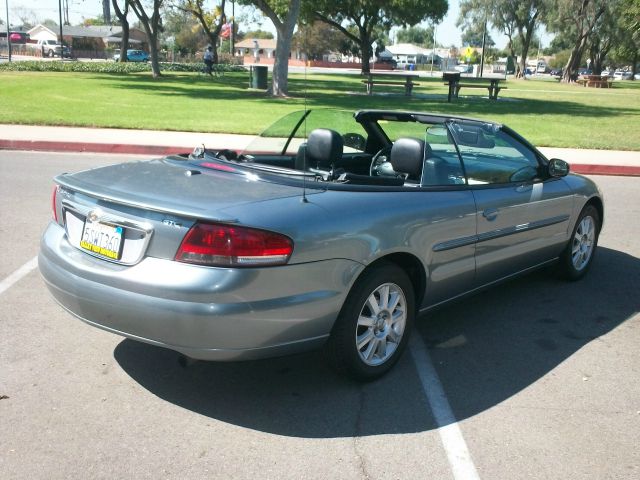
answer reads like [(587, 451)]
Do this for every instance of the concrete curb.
[(130, 149)]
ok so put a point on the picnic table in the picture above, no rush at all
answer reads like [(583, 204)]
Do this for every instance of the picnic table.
[(455, 82), (391, 79), (596, 81)]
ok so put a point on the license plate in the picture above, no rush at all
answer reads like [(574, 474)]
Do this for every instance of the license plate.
[(103, 239)]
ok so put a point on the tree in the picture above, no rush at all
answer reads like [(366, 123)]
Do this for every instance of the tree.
[(26, 16), (284, 16), (516, 19), (316, 39), (472, 36), (122, 13), (606, 34), (416, 36), (580, 17), (152, 26), (628, 50), (211, 21), (367, 15), (257, 34)]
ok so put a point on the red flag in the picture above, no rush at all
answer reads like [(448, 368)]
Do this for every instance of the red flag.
[(225, 32)]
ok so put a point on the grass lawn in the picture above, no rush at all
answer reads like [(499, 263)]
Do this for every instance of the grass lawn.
[(545, 112)]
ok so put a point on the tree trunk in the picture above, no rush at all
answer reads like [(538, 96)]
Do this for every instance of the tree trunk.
[(284, 29), (280, 74), (365, 48), (124, 42), (153, 53), (124, 23), (151, 28), (570, 72)]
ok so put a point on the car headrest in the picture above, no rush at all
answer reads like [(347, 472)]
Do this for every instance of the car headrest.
[(324, 147), (407, 156)]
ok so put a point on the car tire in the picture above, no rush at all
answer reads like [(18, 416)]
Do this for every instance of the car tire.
[(577, 257), (368, 337), (50, 54)]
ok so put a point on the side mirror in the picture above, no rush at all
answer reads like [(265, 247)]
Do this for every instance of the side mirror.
[(558, 168)]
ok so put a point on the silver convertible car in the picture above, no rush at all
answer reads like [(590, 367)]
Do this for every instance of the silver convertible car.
[(333, 229)]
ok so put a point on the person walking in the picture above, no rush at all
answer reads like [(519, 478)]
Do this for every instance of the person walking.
[(208, 60)]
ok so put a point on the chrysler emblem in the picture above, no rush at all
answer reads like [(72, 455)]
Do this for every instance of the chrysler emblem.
[(93, 216)]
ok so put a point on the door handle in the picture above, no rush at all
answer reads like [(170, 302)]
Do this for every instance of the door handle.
[(490, 214)]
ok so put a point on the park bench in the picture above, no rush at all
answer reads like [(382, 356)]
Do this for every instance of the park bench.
[(596, 81), (456, 83), (393, 80)]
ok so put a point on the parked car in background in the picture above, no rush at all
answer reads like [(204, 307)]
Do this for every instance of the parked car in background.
[(15, 37), (52, 48), (133, 56), (556, 72), (622, 75), (463, 68), (387, 61), (332, 228)]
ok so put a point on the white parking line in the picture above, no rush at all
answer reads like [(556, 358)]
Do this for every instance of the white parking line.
[(452, 440), (16, 276)]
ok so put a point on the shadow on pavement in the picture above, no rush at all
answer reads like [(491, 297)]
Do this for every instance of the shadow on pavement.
[(485, 348)]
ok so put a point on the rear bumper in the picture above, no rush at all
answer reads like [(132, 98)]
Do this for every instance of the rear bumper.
[(205, 313)]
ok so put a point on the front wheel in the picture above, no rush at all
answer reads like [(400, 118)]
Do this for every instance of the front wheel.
[(579, 252), (374, 324)]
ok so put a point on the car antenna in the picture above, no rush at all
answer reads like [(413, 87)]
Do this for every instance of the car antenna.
[(304, 128)]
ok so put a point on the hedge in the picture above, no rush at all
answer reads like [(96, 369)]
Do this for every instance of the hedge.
[(107, 67)]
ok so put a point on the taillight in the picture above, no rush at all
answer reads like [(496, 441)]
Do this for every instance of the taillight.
[(54, 196), (225, 245)]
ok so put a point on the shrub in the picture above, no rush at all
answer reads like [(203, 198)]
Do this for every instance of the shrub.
[(106, 67)]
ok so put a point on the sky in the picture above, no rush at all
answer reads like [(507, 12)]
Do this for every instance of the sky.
[(446, 33)]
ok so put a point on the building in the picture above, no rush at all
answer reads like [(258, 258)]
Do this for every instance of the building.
[(256, 50), (407, 54), (93, 41)]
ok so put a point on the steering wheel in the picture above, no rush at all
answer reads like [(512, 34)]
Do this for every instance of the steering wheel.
[(381, 157)]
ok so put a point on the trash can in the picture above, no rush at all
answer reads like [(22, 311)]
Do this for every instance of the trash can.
[(259, 77)]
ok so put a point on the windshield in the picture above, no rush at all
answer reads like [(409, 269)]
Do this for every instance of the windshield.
[(286, 134)]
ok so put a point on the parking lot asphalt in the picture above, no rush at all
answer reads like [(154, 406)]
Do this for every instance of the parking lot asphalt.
[(541, 377), (152, 142)]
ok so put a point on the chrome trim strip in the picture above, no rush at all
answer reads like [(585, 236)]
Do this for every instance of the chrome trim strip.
[(455, 243), (503, 232), (81, 212), (525, 227)]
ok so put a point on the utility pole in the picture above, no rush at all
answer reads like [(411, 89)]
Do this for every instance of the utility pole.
[(484, 41), (433, 52), (106, 11), (61, 37), (8, 29), (233, 27)]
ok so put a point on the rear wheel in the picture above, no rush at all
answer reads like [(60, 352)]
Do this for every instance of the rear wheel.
[(50, 53), (579, 252), (373, 327)]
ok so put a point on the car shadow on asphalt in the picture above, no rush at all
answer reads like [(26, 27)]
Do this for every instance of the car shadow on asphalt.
[(486, 348)]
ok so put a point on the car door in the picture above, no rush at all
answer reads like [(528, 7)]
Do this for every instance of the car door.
[(522, 215)]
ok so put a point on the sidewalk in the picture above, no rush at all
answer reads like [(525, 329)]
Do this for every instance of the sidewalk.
[(151, 142)]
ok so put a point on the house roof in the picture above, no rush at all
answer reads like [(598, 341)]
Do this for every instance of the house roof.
[(408, 49), (264, 43), (93, 31)]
